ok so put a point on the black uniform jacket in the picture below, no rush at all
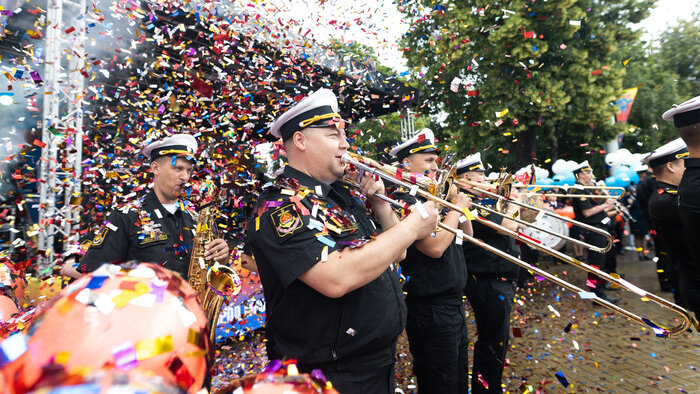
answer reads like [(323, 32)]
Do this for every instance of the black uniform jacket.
[(297, 222), (689, 203), (480, 260), (666, 221), (144, 232), (580, 204), (427, 276)]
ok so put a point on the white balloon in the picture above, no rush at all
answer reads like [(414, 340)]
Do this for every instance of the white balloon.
[(559, 167), (571, 166), (612, 159), (625, 156), (541, 173)]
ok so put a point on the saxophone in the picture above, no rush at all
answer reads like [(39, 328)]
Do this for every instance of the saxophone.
[(213, 282)]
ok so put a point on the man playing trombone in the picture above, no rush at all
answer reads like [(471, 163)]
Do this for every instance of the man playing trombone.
[(595, 213), (333, 297), (435, 278), (490, 284)]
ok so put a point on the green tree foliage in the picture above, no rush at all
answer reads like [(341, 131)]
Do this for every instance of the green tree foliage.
[(538, 78), (679, 50), (658, 91), (378, 135)]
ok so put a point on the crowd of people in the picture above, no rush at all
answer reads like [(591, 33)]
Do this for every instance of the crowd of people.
[(348, 261)]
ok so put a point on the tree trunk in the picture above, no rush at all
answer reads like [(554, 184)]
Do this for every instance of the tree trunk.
[(525, 148), (555, 148)]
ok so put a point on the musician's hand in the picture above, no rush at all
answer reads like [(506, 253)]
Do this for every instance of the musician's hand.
[(462, 200), (423, 226), (217, 250), (68, 268), (371, 187)]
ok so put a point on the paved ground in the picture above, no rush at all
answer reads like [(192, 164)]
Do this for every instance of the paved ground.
[(602, 352)]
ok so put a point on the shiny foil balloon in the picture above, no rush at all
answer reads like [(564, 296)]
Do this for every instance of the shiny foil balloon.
[(280, 378), (146, 317), (133, 381), (7, 308)]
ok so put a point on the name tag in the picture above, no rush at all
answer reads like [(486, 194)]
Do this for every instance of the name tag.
[(151, 240)]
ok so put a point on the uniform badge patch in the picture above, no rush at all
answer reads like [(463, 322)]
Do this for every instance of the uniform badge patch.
[(286, 220), (99, 237), (155, 238)]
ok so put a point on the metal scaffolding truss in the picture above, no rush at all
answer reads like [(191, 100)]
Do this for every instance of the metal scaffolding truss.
[(408, 127), (62, 126)]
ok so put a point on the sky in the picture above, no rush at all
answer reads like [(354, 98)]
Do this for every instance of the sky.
[(379, 24)]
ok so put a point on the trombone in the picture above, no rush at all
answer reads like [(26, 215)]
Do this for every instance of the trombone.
[(575, 187), (394, 175), (478, 187), (566, 189)]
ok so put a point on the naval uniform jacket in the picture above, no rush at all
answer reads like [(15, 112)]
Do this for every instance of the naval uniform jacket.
[(689, 207), (432, 277), (296, 224), (580, 204), (666, 221), (145, 232)]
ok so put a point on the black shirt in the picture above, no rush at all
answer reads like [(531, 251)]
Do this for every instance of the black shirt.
[(689, 207), (644, 190), (427, 276), (144, 232), (480, 260), (666, 221), (359, 328), (582, 203)]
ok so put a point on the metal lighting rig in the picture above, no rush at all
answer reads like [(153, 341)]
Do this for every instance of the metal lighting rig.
[(62, 127)]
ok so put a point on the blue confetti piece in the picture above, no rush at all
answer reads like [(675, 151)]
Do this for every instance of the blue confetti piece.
[(562, 379), (534, 48), (96, 282), (652, 354), (326, 241)]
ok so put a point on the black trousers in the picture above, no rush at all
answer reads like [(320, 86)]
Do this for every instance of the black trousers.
[(596, 259), (491, 299), (437, 338)]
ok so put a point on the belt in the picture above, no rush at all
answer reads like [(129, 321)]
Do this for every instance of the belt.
[(451, 296)]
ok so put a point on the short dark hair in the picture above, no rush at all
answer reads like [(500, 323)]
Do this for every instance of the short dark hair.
[(690, 135), (660, 170)]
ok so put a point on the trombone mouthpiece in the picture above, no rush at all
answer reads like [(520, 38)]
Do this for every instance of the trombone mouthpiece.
[(346, 158)]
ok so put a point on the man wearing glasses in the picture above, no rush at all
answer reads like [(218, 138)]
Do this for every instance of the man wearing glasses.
[(333, 297)]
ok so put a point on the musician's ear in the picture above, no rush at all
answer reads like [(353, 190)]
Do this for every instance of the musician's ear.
[(300, 141)]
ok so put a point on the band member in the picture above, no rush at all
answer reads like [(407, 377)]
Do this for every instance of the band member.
[(435, 278), (668, 166), (686, 118), (490, 285), (159, 227), (333, 295), (598, 213)]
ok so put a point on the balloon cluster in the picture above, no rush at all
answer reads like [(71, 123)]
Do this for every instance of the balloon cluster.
[(563, 173), (624, 166)]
